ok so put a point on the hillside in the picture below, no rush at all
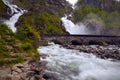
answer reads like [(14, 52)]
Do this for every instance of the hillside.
[(40, 18), (100, 16)]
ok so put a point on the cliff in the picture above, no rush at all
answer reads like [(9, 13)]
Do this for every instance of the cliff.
[(101, 17), (44, 15), (107, 5), (3, 11), (41, 17)]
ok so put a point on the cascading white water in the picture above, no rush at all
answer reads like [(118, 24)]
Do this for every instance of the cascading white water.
[(74, 65), (73, 2), (16, 12), (74, 29)]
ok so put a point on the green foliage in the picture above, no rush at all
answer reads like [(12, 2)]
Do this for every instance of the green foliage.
[(27, 27), (106, 5), (27, 3), (92, 14), (32, 24), (6, 37), (83, 10), (50, 24), (42, 17), (26, 46), (113, 19), (11, 61), (15, 48)]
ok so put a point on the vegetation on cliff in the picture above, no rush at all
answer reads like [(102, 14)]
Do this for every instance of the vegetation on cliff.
[(106, 14), (15, 48), (42, 17)]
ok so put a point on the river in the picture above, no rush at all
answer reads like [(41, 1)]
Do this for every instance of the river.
[(68, 64)]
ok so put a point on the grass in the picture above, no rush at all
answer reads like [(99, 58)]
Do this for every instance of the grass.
[(41, 18), (11, 61), (13, 49), (43, 23)]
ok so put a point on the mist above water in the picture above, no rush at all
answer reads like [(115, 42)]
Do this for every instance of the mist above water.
[(72, 28)]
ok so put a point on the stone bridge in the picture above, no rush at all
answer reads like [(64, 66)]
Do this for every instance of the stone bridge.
[(82, 39)]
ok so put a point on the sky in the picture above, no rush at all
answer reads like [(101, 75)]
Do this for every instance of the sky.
[(72, 1)]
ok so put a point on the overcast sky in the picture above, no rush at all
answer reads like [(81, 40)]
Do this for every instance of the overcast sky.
[(72, 1)]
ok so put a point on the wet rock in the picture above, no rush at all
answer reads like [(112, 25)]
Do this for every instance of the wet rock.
[(100, 51), (43, 56), (52, 76)]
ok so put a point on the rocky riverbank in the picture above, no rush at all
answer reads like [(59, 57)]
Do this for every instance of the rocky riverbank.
[(30, 70), (110, 51)]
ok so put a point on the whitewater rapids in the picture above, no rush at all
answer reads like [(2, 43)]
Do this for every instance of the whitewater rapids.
[(74, 65)]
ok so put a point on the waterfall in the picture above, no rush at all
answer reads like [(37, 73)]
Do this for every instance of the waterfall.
[(16, 12), (71, 27), (68, 64)]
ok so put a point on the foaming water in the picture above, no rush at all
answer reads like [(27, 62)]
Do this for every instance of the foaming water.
[(16, 12), (71, 64), (72, 28)]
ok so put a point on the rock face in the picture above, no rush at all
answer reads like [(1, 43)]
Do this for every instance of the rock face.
[(52, 5), (30, 70), (61, 3), (101, 16), (108, 5), (4, 11)]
